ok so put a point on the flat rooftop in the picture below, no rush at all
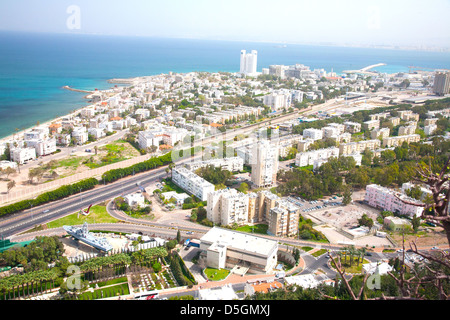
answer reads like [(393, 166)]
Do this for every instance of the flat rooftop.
[(240, 241)]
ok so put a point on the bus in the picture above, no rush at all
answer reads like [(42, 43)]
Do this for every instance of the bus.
[(147, 295)]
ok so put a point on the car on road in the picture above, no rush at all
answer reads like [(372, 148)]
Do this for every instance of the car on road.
[(189, 232), (45, 211), (435, 248)]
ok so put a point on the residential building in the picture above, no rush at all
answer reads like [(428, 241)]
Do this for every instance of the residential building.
[(233, 164), (441, 84), (406, 130), (265, 166), (381, 132), (191, 183), (352, 127), (387, 199), (314, 134), (261, 286), (395, 121), (22, 155), (430, 121), (398, 141), (248, 62), (358, 147), (371, 124), (307, 158), (283, 219), (430, 129), (227, 207), (80, 135)]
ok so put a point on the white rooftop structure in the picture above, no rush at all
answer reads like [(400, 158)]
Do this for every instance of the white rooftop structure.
[(225, 292), (304, 281), (377, 268)]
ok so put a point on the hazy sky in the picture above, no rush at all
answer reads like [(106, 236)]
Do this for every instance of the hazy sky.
[(401, 22)]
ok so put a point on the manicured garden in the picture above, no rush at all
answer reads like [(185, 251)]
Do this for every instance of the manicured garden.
[(216, 274), (259, 228)]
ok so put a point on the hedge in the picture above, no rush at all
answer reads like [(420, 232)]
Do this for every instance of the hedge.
[(87, 184)]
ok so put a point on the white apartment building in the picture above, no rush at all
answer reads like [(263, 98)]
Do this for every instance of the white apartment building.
[(314, 134), (371, 124), (265, 166), (398, 141), (232, 164), (191, 183), (329, 132), (307, 158), (406, 130), (248, 62), (387, 199), (279, 99), (352, 127), (381, 132), (80, 135), (227, 206), (22, 155), (96, 133), (358, 147), (430, 129)]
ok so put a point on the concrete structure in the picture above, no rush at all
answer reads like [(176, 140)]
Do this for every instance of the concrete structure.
[(352, 127), (307, 158), (395, 121), (390, 200), (441, 84), (371, 124), (136, 199), (396, 224), (179, 198), (283, 219), (233, 164), (227, 248), (377, 133), (314, 134), (265, 164), (358, 147), (191, 183), (80, 135), (22, 155), (406, 130), (248, 63), (430, 129), (227, 207), (398, 141)]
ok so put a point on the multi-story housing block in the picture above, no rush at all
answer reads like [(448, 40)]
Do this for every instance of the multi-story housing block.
[(398, 141), (352, 127), (307, 158), (390, 200), (191, 183), (358, 147)]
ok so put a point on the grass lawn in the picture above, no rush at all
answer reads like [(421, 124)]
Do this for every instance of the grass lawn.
[(97, 214), (116, 151), (109, 282), (107, 292), (169, 185), (259, 228), (216, 274), (306, 249), (319, 252)]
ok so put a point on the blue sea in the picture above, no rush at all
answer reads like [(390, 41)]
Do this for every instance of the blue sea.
[(35, 66)]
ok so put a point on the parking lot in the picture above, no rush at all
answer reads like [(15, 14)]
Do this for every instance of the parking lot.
[(309, 206)]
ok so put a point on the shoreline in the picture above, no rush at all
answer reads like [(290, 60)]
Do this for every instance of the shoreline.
[(19, 134)]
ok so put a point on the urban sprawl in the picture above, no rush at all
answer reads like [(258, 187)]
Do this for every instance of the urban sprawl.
[(280, 162)]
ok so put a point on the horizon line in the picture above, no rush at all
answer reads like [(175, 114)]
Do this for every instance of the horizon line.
[(432, 48)]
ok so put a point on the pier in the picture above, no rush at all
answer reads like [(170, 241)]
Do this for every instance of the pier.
[(77, 90)]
